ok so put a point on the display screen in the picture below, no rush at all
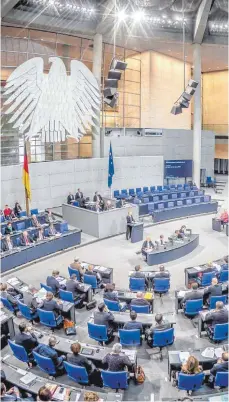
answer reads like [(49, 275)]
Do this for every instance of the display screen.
[(179, 168), (86, 351), (161, 206)]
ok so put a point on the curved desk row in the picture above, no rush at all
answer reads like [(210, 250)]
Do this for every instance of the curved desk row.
[(172, 252), (184, 211), (23, 255)]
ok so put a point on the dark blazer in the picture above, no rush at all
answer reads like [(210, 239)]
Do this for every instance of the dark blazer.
[(70, 198), (103, 318), (5, 245), (158, 327), (193, 295), (117, 362), (53, 283), (8, 230), (30, 300), (129, 219), (164, 274), (138, 274), (17, 209), (78, 195), (96, 198), (144, 244), (52, 305), (217, 317), (214, 290), (48, 351), (139, 302), (28, 340), (74, 287), (133, 325), (23, 243), (110, 296), (219, 367), (78, 360)]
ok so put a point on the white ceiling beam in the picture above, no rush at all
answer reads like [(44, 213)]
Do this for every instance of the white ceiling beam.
[(201, 20), (6, 6)]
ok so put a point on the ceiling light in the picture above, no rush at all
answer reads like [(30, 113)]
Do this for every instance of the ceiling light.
[(138, 15), (169, 21), (164, 16), (92, 10), (121, 15)]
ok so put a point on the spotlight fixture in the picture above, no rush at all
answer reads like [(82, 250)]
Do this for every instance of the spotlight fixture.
[(109, 92), (111, 83), (111, 100)]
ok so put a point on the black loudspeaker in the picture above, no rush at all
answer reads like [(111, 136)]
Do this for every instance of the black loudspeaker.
[(111, 100), (111, 83), (109, 92), (114, 74), (186, 96), (184, 103), (193, 83), (176, 109), (118, 65)]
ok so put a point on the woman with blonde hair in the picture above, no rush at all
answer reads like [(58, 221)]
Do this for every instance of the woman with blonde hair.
[(191, 366)]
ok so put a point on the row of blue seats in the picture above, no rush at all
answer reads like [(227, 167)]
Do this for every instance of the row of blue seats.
[(15, 237), (153, 189), (149, 207), (170, 196), (22, 214)]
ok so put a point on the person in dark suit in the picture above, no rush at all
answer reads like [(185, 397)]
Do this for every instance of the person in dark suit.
[(76, 359), (214, 290), (217, 316), (9, 228), (39, 234), (147, 245), (76, 265), (49, 217), (29, 298), (160, 325), (129, 221), (70, 198), (26, 338), (17, 208), (90, 271), (26, 239), (78, 195), (34, 221), (104, 317), (139, 301), (194, 294), (49, 351), (53, 282), (7, 244), (162, 273), (220, 367), (10, 295), (77, 289), (116, 360), (97, 197), (139, 274), (49, 304), (111, 294), (133, 324)]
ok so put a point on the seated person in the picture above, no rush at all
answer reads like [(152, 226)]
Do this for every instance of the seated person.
[(44, 394), (160, 325), (10, 295), (220, 367), (39, 235), (91, 396), (76, 265), (97, 197), (111, 294), (53, 282), (194, 294), (139, 274), (224, 217), (210, 267), (139, 301), (98, 207), (50, 304), (178, 235), (34, 221), (147, 245), (90, 271), (104, 317), (9, 229), (191, 366), (76, 359), (78, 195), (214, 290), (108, 205), (77, 289), (26, 239), (29, 298), (17, 209), (26, 338), (133, 324), (12, 394), (7, 212), (49, 217), (162, 273), (7, 244), (52, 231), (49, 351), (117, 360), (161, 240), (70, 198), (217, 316)]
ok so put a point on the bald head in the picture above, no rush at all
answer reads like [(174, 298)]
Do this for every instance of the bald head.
[(214, 281), (139, 295), (219, 305)]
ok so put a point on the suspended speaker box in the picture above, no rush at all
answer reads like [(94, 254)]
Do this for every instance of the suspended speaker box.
[(193, 83), (109, 92), (113, 74), (111, 83), (176, 109), (118, 65), (111, 100)]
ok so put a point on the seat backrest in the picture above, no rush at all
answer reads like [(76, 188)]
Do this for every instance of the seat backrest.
[(90, 280), (163, 338), (152, 188), (72, 271), (25, 310), (214, 299), (67, 296), (190, 382), (48, 288), (131, 191), (22, 213), (124, 191), (223, 276), (221, 379), (20, 225), (208, 179), (18, 351), (138, 190), (137, 284), (207, 278), (145, 200), (161, 284), (34, 211), (116, 193), (145, 189), (115, 379), (112, 305), (140, 309), (97, 332), (159, 188), (47, 318), (75, 203), (129, 337), (7, 304), (45, 363), (193, 307), (220, 332), (76, 373)]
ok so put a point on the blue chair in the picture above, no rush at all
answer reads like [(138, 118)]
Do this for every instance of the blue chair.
[(209, 181), (76, 373), (49, 319), (131, 191), (145, 200), (112, 305), (26, 311), (7, 304), (221, 379), (145, 189), (97, 332), (166, 188), (2, 218), (19, 352), (162, 339), (161, 285), (137, 284), (159, 188), (192, 307), (72, 271), (47, 288), (34, 211), (116, 193), (138, 190), (141, 309), (207, 277), (20, 226), (22, 213), (90, 280), (45, 364), (214, 299), (152, 189), (136, 201), (75, 203), (223, 277), (124, 192), (66, 296), (115, 379), (190, 382), (219, 333), (130, 337)]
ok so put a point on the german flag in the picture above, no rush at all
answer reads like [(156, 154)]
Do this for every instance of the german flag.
[(26, 179)]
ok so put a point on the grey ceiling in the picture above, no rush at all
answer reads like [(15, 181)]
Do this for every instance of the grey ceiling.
[(160, 36)]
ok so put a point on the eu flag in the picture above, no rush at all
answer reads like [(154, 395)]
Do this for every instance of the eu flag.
[(111, 167)]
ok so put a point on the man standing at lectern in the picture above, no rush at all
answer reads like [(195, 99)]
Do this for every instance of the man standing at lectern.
[(129, 221)]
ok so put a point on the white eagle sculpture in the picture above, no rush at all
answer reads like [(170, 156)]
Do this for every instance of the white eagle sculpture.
[(55, 105)]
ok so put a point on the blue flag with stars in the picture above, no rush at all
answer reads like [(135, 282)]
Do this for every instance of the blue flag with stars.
[(111, 167)]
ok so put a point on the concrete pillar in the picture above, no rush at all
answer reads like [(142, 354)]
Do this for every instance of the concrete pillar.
[(98, 137), (197, 118)]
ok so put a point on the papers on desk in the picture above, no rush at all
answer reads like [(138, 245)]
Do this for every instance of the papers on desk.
[(22, 372), (28, 378), (40, 294), (198, 268), (181, 293), (60, 394), (102, 269), (208, 352), (218, 352), (184, 356), (24, 288), (85, 265), (13, 281), (129, 353)]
